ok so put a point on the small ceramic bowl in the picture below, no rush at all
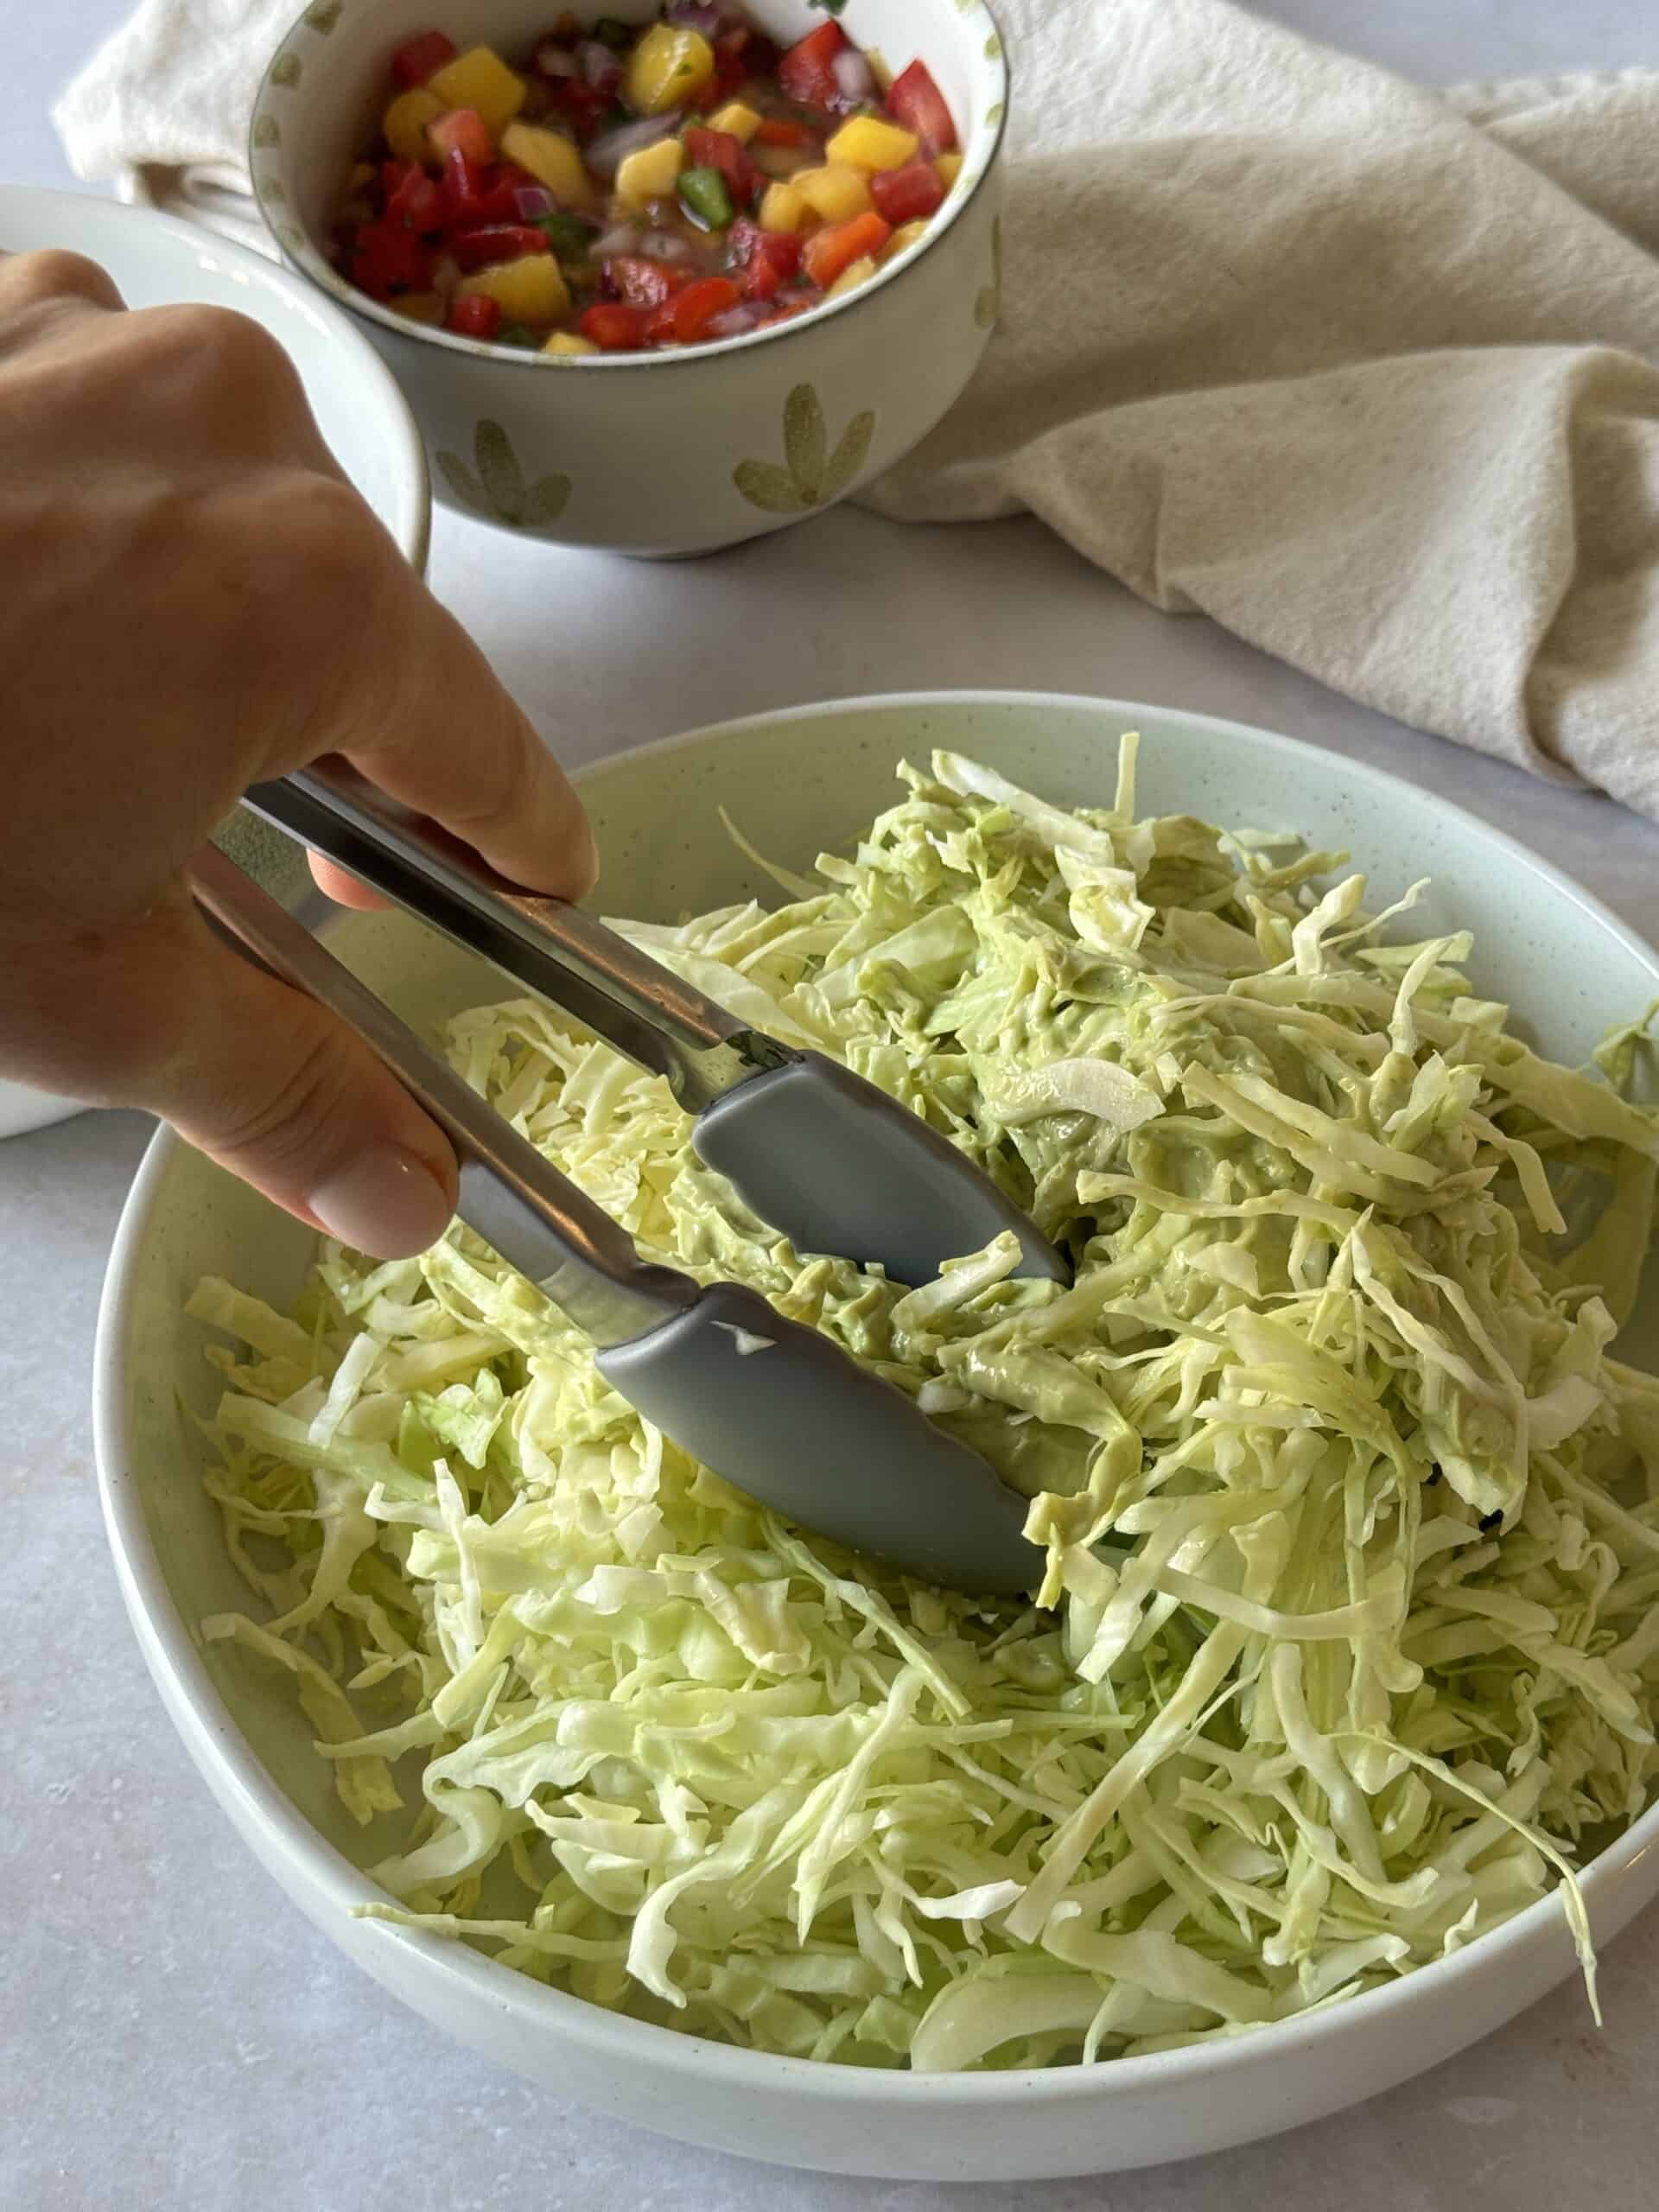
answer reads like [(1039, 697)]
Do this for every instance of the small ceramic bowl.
[(156, 262), (656, 452)]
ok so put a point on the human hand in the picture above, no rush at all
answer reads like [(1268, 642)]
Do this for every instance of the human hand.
[(196, 599)]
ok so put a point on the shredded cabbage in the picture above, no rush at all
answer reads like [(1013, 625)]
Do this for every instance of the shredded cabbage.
[(1347, 1647)]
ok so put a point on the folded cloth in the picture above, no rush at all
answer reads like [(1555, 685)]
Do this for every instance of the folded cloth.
[(1368, 373)]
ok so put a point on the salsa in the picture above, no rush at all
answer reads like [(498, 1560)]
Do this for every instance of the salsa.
[(624, 189)]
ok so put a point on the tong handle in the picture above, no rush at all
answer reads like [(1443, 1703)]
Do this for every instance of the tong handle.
[(536, 1217), (645, 1010)]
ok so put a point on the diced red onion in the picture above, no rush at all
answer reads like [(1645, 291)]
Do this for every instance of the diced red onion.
[(532, 200), (611, 149), (854, 79), (446, 274), (733, 323), (624, 238), (553, 59), (694, 15), (599, 66)]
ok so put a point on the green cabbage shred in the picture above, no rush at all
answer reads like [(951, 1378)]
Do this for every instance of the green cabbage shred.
[(1348, 1645)]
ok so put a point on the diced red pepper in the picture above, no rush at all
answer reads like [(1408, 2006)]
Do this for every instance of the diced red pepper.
[(616, 327), (909, 195), (695, 307), (838, 245), (763, 259), (721, 150), (462, 130), (388, 257), (807, 71), (414, 198), (642, 282), (497, 242), (782, 130), (474, 315), (417, 59), (916, 101), (474, 194)]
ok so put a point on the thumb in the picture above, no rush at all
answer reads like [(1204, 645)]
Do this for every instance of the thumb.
[(275, 1089)]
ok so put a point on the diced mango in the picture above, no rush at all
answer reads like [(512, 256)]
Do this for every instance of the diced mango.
[(782, 208), (480, 80), (649, 174), (834, 192), (404, 125), (552, 160), (419, 307), (868, 142), (907, 235), (849, 279), (531, 289), (948, 167), (668, 66), (742, 121), (567, 342)]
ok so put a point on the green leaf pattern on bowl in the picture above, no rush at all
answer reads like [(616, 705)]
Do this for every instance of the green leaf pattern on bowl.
[(495, 486), (991, 299), (267, 134), (811, 475), (323, 15), (286, 72)]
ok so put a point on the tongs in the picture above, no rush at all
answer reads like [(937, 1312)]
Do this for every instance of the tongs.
[(826, 1157), (777, 1410)]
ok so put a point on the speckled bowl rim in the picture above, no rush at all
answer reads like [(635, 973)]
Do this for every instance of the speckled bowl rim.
[(319, 270), (216, 1742)]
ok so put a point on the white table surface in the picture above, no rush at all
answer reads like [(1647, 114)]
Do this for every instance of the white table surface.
[(171, 2033)]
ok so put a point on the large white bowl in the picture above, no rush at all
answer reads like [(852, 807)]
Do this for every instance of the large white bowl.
[(156, 261), (658, 452), (795, 783)]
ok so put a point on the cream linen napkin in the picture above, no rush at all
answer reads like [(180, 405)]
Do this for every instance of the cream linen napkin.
[(1368, 373)]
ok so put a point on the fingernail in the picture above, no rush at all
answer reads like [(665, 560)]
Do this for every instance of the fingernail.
[(384, 1201)]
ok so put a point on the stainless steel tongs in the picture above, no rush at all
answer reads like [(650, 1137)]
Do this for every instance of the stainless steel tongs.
[(832, 1161), (776, 1409)]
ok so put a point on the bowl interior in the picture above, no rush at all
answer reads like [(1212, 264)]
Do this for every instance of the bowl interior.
[(318, 102), (795, 784)]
